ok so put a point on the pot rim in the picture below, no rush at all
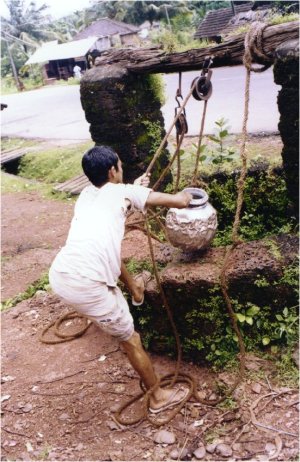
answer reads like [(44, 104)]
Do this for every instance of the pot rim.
[(197, 192)]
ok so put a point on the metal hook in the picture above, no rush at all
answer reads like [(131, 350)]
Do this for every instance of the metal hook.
[(178, 91)]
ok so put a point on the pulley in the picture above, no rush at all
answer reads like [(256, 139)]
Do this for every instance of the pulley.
[(181, 124), (203, 88)]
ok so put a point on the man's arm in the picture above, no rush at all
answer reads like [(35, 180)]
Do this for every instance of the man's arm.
[(179, 200)]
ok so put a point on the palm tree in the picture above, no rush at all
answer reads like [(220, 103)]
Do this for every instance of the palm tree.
[(26, 22), (24, 29)]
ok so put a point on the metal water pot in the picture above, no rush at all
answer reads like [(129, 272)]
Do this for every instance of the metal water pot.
[(194, 227)]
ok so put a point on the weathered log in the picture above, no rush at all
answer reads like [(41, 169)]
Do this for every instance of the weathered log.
[(230, 53)]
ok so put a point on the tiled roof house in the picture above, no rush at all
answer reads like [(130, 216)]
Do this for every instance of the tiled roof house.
[(216, 20), (110, 33)]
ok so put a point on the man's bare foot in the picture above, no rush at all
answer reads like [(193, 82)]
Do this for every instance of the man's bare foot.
[(164, 398), (138, 289)]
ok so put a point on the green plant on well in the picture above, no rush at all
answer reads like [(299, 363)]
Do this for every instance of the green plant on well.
[(261, 281), (222, 152), (40, 284), (247, 314), (273, 248), (264, 210), (136, 266), (155, 82), (154, 133)]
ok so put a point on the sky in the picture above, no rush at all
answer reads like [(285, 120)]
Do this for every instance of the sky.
[(57, 8)]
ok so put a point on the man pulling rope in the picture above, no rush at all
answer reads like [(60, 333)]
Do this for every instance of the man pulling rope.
[(86, 270)]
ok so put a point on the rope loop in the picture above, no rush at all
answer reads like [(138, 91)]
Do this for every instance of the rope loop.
[(254, 51)]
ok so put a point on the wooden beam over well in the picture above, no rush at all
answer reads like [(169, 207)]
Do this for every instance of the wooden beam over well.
[(230, 53)]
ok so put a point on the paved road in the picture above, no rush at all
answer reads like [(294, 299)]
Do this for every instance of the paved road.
[(56, 112)]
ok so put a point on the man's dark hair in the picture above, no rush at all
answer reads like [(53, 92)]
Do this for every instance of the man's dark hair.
[(97, 162)]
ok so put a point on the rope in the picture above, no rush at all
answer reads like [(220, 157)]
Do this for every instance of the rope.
[(195, 180), (63, 337), (253, 40), (253, 51)]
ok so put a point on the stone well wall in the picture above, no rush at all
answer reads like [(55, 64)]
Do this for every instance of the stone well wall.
[(286, 73), (124, 112), (256, 277)]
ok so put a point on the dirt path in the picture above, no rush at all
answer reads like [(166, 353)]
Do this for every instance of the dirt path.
[(58, 400)]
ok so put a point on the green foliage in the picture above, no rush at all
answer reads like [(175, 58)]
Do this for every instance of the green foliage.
[(156, 84), (264, 210), (12, 183), (40, 284), (277, 18), (154, 134), (221, 153), (8, 143), (136, 266)]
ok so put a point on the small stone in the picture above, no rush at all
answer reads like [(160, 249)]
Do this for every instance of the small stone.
[(7, 378), (64, 416), (159, 454), (191, 428), (174, 454), (119, 388), (27, 407), (183, 454), (112, 425), (211, 448), (115, 407), (79, 447), (229, 417), (194, 413), (200, 452), (164, 437), (178, 454), (12, 443), (224, 450), (262, 457), (202, 394), (237, 447), (270, 448), (256, 387)]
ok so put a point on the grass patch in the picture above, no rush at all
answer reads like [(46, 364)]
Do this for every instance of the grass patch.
[(40, 284), (54, 165), (9, 87), (280, 19), (15, 184), (8, 143)]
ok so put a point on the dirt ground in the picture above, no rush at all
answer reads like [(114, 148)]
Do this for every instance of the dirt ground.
[(58, 401)]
